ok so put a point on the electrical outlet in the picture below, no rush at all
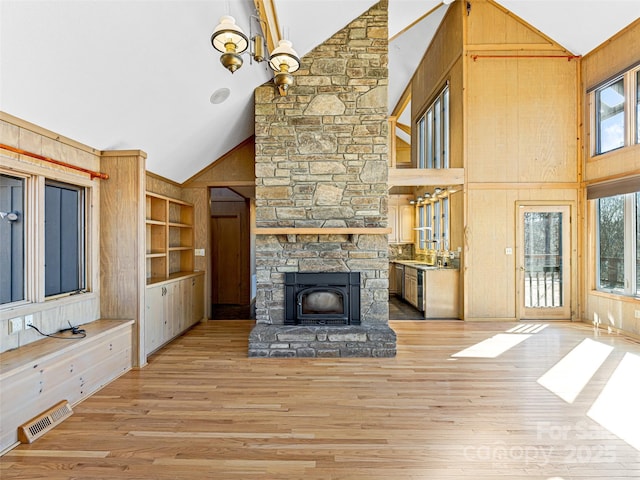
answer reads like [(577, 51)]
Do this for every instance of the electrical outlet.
[(28, 321), (15, 325), (199, 252), (636, 313)]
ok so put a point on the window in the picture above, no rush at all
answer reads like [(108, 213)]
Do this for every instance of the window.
[(616, 116), (421, 225), (433, 133), (429, 223), (445, 223), (433, 217), (610, 117), (437, 232), (12, 239), (618, 241), (63, 239), (55, 265)]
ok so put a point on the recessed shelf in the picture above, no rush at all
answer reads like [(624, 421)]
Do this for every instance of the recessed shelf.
[(169, 237)]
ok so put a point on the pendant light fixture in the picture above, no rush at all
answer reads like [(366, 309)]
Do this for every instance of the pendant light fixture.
[(229, 39)]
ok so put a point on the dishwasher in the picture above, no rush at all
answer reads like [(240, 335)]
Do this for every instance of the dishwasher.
[(422, 298), (398, 271)]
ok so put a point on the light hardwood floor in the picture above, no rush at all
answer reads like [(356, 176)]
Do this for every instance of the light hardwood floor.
[(202, 410)]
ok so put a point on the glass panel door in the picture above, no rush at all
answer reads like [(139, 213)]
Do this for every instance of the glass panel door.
[(544, 258)]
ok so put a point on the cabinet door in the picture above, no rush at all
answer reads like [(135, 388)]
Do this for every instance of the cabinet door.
[(197, 299), (392, 220), (411, 286), (406, 215), (154, 318), (186, 298), (173, 310), (413, 291)]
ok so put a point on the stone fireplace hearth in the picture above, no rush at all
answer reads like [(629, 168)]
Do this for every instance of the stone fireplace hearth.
[(321, 192)]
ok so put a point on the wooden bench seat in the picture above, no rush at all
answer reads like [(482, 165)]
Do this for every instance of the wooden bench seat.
[(38, 375)]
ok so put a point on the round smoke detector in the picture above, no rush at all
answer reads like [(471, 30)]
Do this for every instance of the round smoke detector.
[(220, 95)]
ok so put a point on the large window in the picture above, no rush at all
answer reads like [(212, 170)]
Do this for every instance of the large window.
[(616, 120), (433, 133), (55, 264), (618, 244)]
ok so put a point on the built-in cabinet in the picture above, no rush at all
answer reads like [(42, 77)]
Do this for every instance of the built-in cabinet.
[(401, 219), (411, 286), (441, 293), (174, 299), (169, 237), (171, 307), (37, 376)]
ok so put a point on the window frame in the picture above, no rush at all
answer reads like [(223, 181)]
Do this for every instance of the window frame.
[(25, 235), (34, 218), (631, 110), (433, 129), (81, 219), (631, 283), (434, 216)]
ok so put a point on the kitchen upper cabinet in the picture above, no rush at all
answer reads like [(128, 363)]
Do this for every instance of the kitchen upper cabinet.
[(401, 219)]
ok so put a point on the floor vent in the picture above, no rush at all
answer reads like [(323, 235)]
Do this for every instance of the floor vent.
[(38, 426)]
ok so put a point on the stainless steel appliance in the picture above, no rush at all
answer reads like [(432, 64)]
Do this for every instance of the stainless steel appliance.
[(398, 271)]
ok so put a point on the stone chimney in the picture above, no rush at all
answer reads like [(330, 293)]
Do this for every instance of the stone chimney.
[(321, 180)]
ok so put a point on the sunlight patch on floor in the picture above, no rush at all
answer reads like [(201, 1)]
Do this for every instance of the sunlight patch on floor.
[(528, 328), (571, 374), (493, 347), (616, 409)]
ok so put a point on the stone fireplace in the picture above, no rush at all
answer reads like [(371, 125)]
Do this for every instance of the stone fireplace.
[(321, 198)]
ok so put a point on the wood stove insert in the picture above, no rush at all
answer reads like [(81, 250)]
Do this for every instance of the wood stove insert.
[(322, 298)]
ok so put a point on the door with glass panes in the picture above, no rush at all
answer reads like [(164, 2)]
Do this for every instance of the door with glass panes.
[(544, 243)]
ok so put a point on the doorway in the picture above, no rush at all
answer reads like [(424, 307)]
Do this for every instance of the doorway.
[(230, 255), (544, 261)]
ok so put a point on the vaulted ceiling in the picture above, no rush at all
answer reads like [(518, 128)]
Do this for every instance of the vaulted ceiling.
[(141, 74)]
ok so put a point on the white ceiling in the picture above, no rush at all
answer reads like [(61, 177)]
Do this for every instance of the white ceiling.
[(139, 74)]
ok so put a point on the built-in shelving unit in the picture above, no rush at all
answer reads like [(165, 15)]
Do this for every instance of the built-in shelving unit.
[(169, 238)]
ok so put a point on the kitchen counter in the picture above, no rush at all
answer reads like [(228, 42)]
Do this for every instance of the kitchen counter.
[(420, 265), (431, 289)]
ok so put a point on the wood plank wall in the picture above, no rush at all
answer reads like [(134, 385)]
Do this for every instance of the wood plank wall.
[(513, 129), (235, 169), (612, 57), (122, 242), (53, 315)]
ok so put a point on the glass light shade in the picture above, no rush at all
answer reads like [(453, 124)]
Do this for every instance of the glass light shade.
[(284, 58), (228, 33)]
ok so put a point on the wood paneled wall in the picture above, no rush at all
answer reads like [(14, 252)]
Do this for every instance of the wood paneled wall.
[(52, 315), (122, 242), (612, 57), (236, 170), (513, 129), (441, 63)]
